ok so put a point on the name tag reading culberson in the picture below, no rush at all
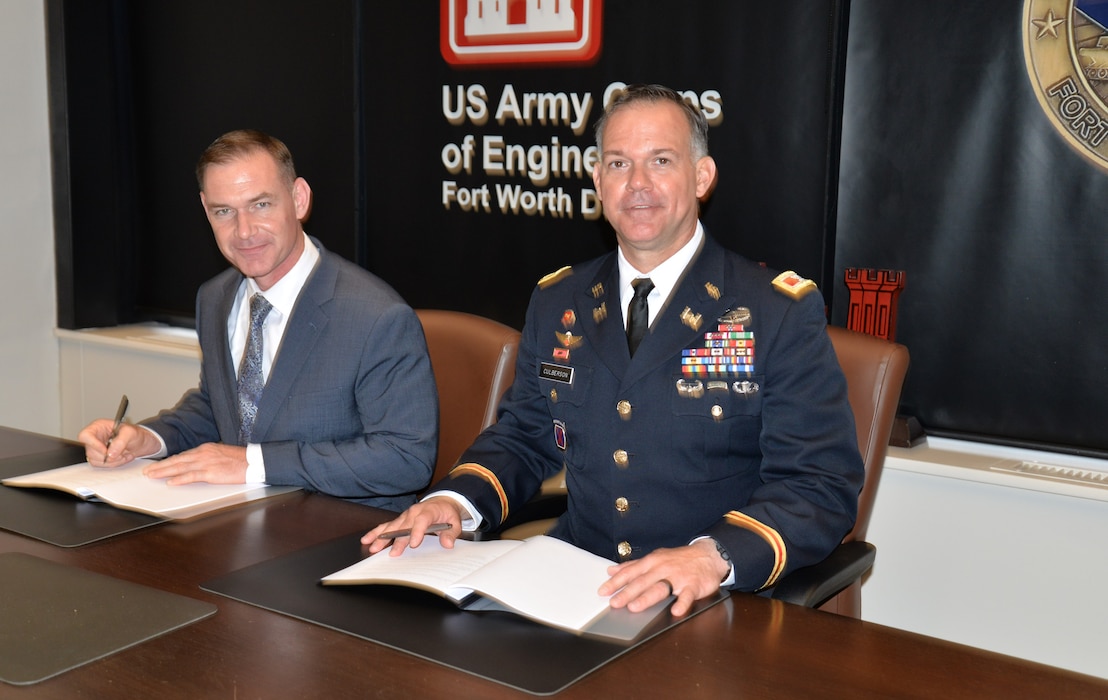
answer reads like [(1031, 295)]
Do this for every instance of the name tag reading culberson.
[(557, 373)]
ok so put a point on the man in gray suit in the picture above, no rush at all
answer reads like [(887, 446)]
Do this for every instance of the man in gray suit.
[(324, 384)]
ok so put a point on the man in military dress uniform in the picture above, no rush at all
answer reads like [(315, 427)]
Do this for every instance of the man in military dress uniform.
[(692, 396)]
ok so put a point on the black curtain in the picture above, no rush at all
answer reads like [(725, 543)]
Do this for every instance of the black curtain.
[(952, 171), (949, 168), (774, 144), (356, 90)]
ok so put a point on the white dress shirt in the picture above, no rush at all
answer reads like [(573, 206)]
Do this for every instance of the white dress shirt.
[(665, 276)]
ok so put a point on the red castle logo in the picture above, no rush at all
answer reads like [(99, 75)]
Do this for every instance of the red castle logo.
[(513, 32)]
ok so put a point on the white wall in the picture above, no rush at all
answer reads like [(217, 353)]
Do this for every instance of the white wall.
[(29, 392), (972, 553), (152, 365)]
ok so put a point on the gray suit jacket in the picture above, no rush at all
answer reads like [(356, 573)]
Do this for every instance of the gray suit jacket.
[(350, 407)]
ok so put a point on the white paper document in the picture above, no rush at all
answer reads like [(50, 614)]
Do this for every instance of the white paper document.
[(128, 488), (541, 578)]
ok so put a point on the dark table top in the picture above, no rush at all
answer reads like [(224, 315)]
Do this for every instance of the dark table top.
[(746, 646)]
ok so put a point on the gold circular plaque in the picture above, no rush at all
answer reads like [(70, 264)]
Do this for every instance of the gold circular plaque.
[(1066, 50)]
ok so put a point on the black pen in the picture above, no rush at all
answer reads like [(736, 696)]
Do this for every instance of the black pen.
[(406, 532), (120, 412)]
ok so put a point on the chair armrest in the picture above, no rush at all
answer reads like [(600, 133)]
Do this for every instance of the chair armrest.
[(813, 585), (542, 507)]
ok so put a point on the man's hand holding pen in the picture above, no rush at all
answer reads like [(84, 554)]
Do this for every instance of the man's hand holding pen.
[(129, 442), (435, 515), (113, 443)]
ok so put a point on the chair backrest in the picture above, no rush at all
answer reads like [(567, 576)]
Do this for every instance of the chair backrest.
[(473, 359), (875, 370)]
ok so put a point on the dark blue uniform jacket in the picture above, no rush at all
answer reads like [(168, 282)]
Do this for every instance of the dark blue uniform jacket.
[(761, 456)]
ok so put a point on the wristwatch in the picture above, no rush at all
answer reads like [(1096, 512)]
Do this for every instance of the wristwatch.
[(726, 558)]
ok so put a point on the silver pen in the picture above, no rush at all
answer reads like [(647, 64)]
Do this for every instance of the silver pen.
[(407, 532), (120, 412)]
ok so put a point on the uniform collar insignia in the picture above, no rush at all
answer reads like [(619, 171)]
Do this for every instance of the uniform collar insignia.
[(690, 319), (600, 313)]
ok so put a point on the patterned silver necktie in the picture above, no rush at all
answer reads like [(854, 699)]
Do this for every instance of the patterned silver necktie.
[(251, 381)]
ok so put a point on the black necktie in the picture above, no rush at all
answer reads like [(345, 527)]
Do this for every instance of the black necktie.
[(638, 313)]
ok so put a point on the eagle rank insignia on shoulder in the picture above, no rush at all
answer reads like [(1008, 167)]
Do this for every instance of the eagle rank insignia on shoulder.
[(793, 285)]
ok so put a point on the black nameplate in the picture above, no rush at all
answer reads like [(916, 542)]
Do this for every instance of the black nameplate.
[(557, 373)]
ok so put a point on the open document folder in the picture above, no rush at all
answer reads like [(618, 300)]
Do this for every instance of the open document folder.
[(541, 578), (128, 488)]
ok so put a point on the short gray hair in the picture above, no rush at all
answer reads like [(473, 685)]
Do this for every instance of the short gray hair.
[(698, 125)]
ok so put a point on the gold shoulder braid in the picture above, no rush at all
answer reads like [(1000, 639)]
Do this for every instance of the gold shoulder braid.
[(555, 277)]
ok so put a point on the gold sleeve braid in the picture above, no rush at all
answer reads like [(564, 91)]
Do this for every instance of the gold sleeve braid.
[(772, 537), (483, 473)]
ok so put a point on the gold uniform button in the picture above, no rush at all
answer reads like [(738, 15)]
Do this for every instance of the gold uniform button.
[(554, 395), (624, 549), (623, 408), (717, 411), (620, 458), (622, 505)]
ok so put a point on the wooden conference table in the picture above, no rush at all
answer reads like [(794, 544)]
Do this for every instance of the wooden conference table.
[(746, 646)]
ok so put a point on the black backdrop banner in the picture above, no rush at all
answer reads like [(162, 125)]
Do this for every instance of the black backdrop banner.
[(455, 219), (953, 172), (911, 136), (413, 159)]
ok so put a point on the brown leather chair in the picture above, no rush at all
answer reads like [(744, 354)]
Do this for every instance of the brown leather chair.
[(875, 369), (473, 359)]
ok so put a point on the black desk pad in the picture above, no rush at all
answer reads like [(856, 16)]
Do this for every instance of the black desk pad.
[(501, 647), (53, 516), (55, 617)]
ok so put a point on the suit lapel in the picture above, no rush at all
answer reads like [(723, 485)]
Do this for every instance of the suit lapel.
[(223, 395), (301, 335)]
